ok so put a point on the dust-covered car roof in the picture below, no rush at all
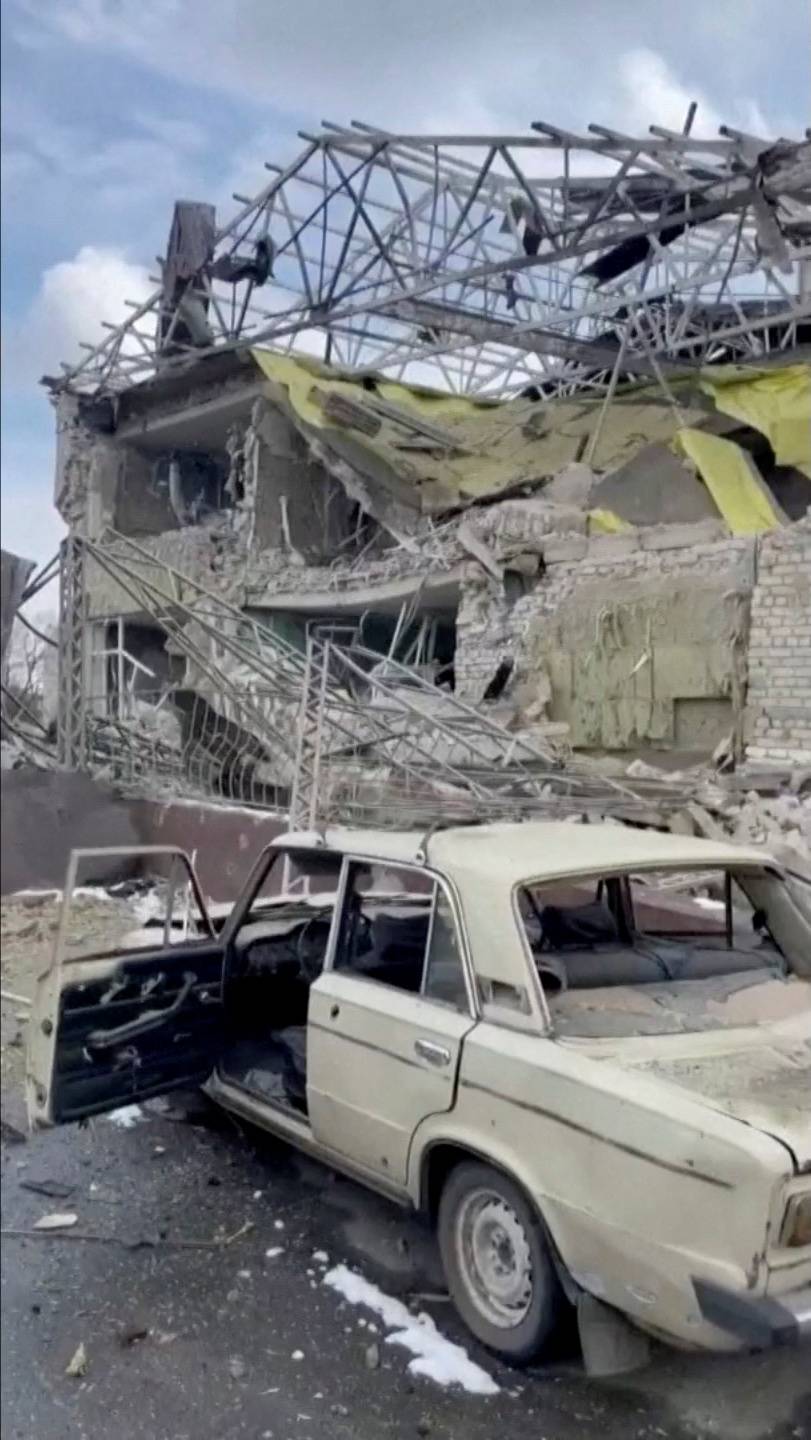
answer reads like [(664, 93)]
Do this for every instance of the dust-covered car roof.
[(511, 852)]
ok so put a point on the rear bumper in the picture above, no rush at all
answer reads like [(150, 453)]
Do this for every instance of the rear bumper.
[(758, 1320)]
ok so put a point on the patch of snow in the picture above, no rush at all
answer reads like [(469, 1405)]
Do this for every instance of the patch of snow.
[(56, 893), (126, 1116), (278, 1224), (149, 937), (87, 892), (274, 1251), (321, 1257), (297, 1355), (707, 903), (256, 812), (149, 905), (435, 1356)]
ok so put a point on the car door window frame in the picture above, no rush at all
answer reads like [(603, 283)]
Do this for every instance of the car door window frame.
[(439, 880), (59, 959)]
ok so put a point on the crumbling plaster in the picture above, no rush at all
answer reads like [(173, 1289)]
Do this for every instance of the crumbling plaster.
[(88, 466), (616, 632), (634, 639)]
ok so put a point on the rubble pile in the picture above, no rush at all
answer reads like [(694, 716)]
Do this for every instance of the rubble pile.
[(590, 536), (780, 823)]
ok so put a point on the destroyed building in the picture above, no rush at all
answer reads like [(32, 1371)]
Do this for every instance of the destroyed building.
[(445, 445)]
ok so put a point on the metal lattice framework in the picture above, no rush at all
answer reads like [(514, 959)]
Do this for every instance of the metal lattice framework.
[(482, 263), (337, 730)]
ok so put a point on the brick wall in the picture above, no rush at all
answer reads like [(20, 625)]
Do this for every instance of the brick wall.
[(778, 714), (488, 628)]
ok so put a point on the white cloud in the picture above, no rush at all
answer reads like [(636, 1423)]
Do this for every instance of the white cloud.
[(67, 179), (31, 527), (466, 63), (653, 94), (75, 297), (178, 134)]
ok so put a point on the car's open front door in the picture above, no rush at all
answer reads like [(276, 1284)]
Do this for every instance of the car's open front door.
[(134, 1017)]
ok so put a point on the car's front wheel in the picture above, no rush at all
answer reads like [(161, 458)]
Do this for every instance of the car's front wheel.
[(500, 1274)]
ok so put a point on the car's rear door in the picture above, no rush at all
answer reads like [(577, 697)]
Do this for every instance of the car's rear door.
[(133, 1018), (383, 1046)]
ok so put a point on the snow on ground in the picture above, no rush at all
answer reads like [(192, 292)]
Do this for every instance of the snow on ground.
[(126, 1116), (87, 892), (151, 937), (434, 1356)]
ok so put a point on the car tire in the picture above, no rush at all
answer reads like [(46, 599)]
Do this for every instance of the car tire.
[(497, 1262)]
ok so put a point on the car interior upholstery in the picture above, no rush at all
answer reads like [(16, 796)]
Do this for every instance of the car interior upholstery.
[(278, 958), (585, 943)]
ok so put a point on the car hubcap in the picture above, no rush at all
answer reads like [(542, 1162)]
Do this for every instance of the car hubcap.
[(494, 1258)]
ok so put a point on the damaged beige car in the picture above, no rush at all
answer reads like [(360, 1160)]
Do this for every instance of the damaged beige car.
[(584, 1050)]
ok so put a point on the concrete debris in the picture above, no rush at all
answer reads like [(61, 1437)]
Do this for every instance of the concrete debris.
[(77, 1366), (783, 820), (53, 1189), (479, 551), (297, 571), (572, 486), (722, 810), (654, 487)]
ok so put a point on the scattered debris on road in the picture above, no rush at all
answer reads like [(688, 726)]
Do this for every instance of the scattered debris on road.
[(56, 1222), (77, 1366)]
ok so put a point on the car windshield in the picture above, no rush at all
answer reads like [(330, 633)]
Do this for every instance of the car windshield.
[(652, 951)]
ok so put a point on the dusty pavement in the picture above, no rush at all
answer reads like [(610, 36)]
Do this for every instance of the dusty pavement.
[(190, 1334)]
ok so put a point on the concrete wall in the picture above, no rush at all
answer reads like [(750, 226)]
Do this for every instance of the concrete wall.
[(642, 636), (295, 502), (48, 813), (224, 840), (195, 550), (778, 715), (86, 477), (14, 574)]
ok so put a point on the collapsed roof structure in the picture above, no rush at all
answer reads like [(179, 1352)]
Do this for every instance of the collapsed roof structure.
[(490, 262), (445, 465)]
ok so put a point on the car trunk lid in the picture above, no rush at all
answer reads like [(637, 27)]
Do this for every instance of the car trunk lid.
[(761, 1077)]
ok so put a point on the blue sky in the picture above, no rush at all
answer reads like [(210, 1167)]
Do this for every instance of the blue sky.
[(114, 108)]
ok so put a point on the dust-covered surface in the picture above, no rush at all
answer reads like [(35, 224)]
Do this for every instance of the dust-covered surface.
[(771, 1084), (721, 1002), (193, 1288)]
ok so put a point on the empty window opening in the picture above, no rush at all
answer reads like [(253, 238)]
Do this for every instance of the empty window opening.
[(169, 489), (652, 951)]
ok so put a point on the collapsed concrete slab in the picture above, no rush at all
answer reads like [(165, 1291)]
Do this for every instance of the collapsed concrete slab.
[(309, 502)]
